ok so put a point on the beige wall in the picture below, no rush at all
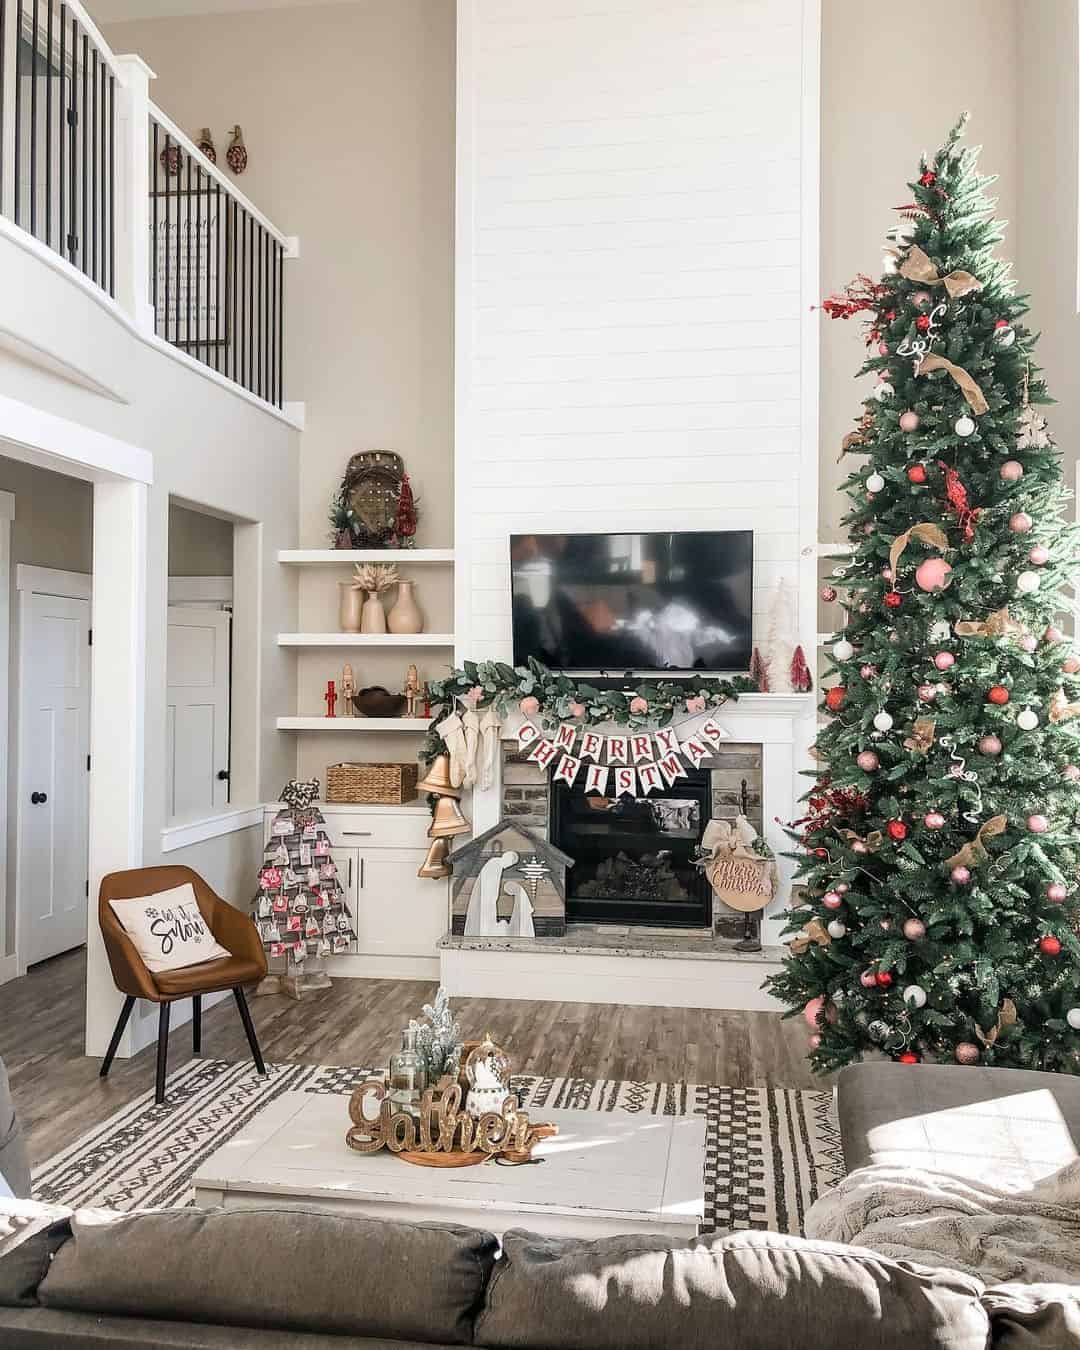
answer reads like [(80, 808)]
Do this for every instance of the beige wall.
[(348, 116), (199, 545), (53, 524)]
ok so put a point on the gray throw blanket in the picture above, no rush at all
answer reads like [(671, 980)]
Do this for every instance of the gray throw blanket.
[(907, 1214)]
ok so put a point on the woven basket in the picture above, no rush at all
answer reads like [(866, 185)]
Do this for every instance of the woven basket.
[(382, 784)]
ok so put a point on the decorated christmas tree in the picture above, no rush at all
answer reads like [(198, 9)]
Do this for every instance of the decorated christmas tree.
[(939, 853)]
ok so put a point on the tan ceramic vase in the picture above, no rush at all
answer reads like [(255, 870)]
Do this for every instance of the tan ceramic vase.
[(405, 616), (373, 616), (349, 606)]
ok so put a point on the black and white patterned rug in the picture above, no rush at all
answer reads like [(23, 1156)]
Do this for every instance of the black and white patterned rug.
[(769, 1152)]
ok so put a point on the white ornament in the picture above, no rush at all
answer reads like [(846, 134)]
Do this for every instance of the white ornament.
[(843, 650), (883, 391), (1073, 1018), (883, 721), (875, 483), (1031, 429), (915, 996), (1004, 337), (890, 263), (964, 426), (940, 631), (1028, 582), (836, 929), (1026, 720)]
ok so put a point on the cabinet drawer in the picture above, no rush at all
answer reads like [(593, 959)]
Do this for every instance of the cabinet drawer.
[(360, 829)]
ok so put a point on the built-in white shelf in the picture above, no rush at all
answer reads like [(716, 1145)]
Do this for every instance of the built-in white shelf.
[(365, 639), (350, 724), (307, 556)]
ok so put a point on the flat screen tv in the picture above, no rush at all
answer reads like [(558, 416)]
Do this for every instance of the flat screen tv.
[(611, 603)]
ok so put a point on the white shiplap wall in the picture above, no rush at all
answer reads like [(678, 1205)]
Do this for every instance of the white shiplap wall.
[(636, 260)]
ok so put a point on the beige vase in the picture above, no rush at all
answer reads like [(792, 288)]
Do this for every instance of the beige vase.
[(406, 615), (349, 607), (373, 616)]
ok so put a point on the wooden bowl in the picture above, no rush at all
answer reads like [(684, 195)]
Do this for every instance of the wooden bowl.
[(378, 702)]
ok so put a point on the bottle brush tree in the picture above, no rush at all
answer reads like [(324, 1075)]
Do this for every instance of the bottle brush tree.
[(938, 856)]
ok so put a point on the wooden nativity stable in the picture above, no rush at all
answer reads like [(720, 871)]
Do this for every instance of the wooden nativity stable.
[(509, 882)]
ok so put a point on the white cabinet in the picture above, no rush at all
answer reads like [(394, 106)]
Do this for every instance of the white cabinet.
[(398, 916)]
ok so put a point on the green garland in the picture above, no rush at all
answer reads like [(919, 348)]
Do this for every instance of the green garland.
[(561, 698)]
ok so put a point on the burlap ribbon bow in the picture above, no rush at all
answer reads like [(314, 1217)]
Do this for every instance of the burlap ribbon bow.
[(974, 852), (994, 625), (932, 535), (1006, 1019), (917, 266), (812, 933), (1061, 710), (967, 386), (922, 735)]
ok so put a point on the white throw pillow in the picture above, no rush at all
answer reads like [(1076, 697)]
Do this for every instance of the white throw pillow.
[(168, 929)]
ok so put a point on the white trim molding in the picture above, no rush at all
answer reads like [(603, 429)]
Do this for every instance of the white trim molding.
[(200, 590), (9, 964), (185, 833), (53, 581), (87, 454)]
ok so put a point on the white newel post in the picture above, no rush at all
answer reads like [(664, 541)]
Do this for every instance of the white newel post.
[(117, 741), (133, 191)]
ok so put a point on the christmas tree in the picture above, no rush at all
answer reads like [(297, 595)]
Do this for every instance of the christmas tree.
[(939, 853)]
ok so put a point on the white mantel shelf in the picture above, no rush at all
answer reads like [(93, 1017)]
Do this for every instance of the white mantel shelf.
[(299, 557), (365, 639), (353, 724)]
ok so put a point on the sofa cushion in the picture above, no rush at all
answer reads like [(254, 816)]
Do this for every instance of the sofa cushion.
[(1012, 1126), (297, 1270), (741, 1291), (1034, 1316), (29, 1236)]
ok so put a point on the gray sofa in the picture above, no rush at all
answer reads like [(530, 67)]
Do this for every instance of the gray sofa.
[(298, 1280), (14, 1168)]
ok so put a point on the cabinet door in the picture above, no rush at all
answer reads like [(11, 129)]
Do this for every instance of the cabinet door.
[(348, 872), (397, 912)]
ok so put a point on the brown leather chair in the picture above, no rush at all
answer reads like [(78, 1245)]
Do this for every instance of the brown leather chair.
[(245, 963)]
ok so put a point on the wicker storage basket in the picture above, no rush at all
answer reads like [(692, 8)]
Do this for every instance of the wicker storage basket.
[(383, 784)]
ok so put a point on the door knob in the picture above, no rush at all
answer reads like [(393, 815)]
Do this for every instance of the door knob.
[(39, 798), (223, 775)]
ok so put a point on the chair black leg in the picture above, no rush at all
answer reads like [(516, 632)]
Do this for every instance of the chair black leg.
[(196, 1024), (162, 1051), (121, 1023), (249, 1027)]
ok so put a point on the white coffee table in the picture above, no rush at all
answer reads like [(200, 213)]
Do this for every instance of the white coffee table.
[(604, 1173)]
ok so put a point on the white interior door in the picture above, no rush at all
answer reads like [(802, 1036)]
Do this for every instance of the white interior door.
[(197, 712), (54, 748)]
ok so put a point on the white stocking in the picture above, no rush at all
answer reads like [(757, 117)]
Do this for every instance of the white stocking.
[(471, 723), (489, 747), (452, 730)]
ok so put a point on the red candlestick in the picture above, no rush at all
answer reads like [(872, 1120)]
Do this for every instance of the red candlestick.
[(331, 698)]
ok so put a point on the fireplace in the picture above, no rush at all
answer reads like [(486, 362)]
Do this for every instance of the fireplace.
[(633, 855)]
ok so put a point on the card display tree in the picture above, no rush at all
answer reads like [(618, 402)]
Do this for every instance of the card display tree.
[(940, 850), (300, 909)]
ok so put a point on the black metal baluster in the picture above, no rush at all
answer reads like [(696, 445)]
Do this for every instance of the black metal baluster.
[(95, 181), (33, 117), (234, 276), (267, 390), (187, 251), (198, 257), (155, 238), (281, 327), (48, 121), (273, 320), (84, 237), (260, 355), (18, 110), (64, 131), (179, 250), (112, 184), (217, 275), (168, 239), (102, 190), (249, 320)]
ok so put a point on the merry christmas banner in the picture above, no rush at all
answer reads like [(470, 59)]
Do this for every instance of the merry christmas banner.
[(631, 762)]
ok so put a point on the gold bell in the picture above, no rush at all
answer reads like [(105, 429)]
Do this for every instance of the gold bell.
[(437, 779), (447, 820), (435, 864)]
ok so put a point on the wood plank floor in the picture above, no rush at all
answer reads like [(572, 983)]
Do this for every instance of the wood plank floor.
[(58, 1093)]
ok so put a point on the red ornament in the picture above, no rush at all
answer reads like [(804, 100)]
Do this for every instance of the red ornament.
[(917, 473), (893, 599), (922, 323), (1050, 945), (927, 179), (896, 829), (834, 698), (908, 1057), (821, 853), (957, 498), (997, 694), (883, 979), (828, 594)]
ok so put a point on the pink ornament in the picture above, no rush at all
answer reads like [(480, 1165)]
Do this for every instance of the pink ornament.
[(577, 709), (1038, 824), (1057, 892), (883, 349), (831, 900), (828, 594), (859, 847), (920, 298), (887, 573), (814, 1041), (1028, 643), (1052, 634), (989, 745), (639, 705), (1071, 664), (882, 376), (842, 887), (1020, 522), (914, 930), (933, 574), (1039, 555), (814, 1008), (1071, 773), (909, 421), (927, 692), (967, 1053), (697, 704), (868, 979), (529, 705), (960, 876), (868, 672), (934, 820), (867, 761), (1011, 471), (944, 660)]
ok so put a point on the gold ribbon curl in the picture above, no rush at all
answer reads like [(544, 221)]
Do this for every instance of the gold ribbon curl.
[(974, 852), (811, 933), (932, 535), (1061, 710), (994, 625), (1006, 1018), (967, 386), (917, 266)]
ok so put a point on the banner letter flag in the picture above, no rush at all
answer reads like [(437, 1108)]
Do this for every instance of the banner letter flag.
[(592, 745), (625, 783), (617, 752), (527, 733), (671, 767), (667, 741), (543, 752), (649, 776), (694, 751), (567, 770), (712, 732), (596, 776), (641, 746), (566, 736)]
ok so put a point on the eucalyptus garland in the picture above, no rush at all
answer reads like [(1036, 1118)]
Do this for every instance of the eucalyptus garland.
[(550, 697)]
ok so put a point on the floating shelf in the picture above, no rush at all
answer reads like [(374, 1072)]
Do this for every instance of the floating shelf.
[(351, 724), (365, 639), (342, 556)]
